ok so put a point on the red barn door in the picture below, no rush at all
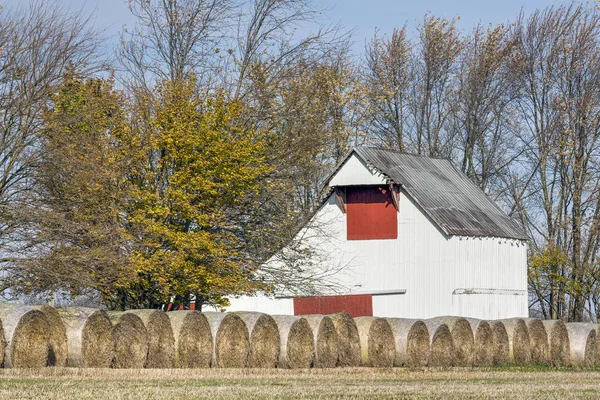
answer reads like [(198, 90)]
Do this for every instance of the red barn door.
[(371, 213), (356, 305)]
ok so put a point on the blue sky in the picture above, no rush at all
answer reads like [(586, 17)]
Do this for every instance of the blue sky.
[(363, 16)]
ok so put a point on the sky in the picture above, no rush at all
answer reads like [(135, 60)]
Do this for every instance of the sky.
[(361, 16)]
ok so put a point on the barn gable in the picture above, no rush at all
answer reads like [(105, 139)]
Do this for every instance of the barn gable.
[(445, 194)]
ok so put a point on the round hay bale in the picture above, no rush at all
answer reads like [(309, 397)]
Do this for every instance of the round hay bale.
[(90, 343), (483, 353), (57, 354), (131, 340), (596, 328), (348, 340), (193, 339), (297, 342), (264, 339), (441, 345), (582, 343), (519, 343), (26, 336), (161, 342), (538, 340), (558, 343), (377, 343), (462, 336), (231, 342), (326, 340), (412, 342), (501, 346)]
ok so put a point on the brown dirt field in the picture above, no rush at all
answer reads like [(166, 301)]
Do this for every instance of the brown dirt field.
[(340, 383)]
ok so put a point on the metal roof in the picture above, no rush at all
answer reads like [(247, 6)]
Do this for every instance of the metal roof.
[(444, 193)]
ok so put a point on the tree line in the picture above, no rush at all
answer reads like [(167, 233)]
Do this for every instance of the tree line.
[(182, 162)]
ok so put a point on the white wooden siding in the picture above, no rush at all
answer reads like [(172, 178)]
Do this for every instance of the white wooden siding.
[(356, 172)]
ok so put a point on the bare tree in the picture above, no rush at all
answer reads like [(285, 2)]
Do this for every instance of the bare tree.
[(482, 125), (387, 78), (39, 41), (174, 38), (559, 74), (434, 68)]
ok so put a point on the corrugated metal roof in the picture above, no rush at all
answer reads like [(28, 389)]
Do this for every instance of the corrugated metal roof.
[(450, 199)]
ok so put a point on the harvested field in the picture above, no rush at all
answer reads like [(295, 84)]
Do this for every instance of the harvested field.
[(57, 355), (193, 339), (348, 339), (231, 342), (501, 343), (558, 343), (340, 383), (297, 342), (131, 340), (538, 340), (161, 342), (90, 342), (441, 345), (462, 336), (264, 339), (582, 342), (483, 353), (518, 341), (26, 336), (412, 342), (326, 340), (376, 342)]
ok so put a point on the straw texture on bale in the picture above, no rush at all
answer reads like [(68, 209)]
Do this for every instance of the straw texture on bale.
[(348, 340), (326, 340), (297, 342), (538, 341), (462, 336), (376, 342), (2, 344), (501, 346), (161, 342), (483, 353), (57, 354), (518, 341), (412, 342), (131, 340), (193, 339), (596, 328), (558, 343), (90, 342), (26, 336), (582, 343), (231, 342), (441, 345), (264, 339)]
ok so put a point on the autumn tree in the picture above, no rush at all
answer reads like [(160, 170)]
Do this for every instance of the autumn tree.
[(191, 166), (73, 238), (39, 41)]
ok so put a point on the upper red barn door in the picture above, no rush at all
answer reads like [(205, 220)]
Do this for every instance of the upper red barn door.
[(371, 213)]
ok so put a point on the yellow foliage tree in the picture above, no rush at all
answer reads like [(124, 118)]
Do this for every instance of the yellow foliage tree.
[(191, 164)]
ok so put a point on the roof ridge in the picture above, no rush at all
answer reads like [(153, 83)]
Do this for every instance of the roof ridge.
[(402, 152)]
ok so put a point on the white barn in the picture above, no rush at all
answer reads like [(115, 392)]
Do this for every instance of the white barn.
[(417, 239)]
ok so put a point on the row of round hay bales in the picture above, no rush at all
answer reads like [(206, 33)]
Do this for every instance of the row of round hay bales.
[(85, 337)]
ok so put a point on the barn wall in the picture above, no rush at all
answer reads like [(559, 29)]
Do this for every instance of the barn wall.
[(472, 277)]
